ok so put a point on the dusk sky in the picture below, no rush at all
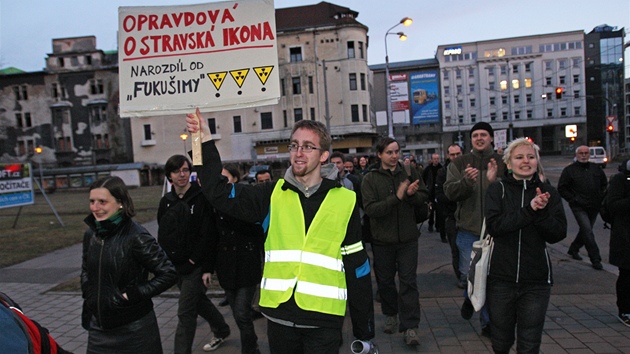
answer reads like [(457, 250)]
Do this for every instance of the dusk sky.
[(27, 27)]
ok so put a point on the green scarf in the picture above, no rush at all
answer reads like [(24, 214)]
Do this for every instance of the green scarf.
[(110, 223)]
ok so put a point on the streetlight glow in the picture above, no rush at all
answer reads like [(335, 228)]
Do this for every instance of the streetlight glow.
[(406, 21), (184, 136)]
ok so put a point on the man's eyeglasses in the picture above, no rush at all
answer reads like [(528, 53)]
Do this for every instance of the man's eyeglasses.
[(305, 148), (182, 170)]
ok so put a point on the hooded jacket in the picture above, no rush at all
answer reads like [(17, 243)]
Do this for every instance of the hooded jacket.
[(470, 195), (392, 220), (251, 203), (520, 233)]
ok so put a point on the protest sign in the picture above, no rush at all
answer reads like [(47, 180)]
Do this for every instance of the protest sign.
[(215, 56)]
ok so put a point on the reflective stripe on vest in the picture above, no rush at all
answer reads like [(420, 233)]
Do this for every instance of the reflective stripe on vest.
[(308, 265)]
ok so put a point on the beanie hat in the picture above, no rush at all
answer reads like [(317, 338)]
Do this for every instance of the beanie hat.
[(483, 126)]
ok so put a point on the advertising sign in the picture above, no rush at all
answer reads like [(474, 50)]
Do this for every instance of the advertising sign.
[(500, 139), (425, 103), (215, 56), (16, 187), (399, 94)]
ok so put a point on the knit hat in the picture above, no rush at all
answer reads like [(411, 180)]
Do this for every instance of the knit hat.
[(483, 126)]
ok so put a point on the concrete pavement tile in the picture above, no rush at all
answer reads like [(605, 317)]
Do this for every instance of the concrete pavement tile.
[(552, 349), (603, 348), (571, 343), (556, 334)]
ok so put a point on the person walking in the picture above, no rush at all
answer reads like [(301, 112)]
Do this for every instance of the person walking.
[(184, 227), (467, 180), (582, 184), (618, 200), (315, 263), (428, 176), (523, 214), (118, 255), (389, 196)]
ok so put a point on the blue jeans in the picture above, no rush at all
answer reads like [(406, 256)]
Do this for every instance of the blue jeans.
[(520, 306), (464, 242), (404, 301), (192, 302), (240, 301), (585, 237)]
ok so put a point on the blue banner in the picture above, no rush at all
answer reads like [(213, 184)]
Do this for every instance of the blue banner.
[(425, 102)]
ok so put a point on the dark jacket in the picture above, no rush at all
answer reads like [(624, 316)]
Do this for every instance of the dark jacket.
[(520, 233), (619, 205), (251, 203), (392, 220), (201, 226), (583, 185), (429, 176), (236, 252), (447, 206), (118, 261), (470, 195)]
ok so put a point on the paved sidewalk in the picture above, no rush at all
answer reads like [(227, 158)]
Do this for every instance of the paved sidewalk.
[(581, 316)]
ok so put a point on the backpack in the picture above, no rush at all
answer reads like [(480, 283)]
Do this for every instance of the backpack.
[(174, 231), (18, 333)]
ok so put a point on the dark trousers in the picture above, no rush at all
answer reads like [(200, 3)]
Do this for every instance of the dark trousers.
[(404, 301), (520, 306), (623, 291), (450, 230), (585, 237), (240, 301), (192, 302), (293, 340)]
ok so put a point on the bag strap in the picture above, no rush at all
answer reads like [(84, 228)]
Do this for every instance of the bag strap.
[(483, 224)]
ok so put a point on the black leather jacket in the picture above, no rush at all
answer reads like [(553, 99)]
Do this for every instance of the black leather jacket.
[(116, 261)]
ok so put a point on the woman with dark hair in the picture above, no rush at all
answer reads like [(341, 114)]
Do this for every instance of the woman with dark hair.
[(523, 214), (118, 255), (236, 256)]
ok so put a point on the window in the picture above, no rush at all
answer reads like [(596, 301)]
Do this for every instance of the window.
[(517, 115), (96, 86), (61, 62), (491, 86), (548, 65), (312, 113), (459, 89), (101, 141), (147, 132), (365, 112), (576, 94), (237, 124), (576, 79), (64, 144), (562, 80), (447, 90), (266, 121), (88, 60), (471, 72), (458, 73), (563, 112), (310, 84), (504, 100), (361, 50), (282, 91), (26, 146), (297, 88), (517, 98), (505, 115), (460, 118), (472, 102), (473, 118), (295, 54), (503, 69), (548, 81), (550, 112), (528, 83), (354, 112), (460, 104), (285, 118), (493, 116), (576, 62), (492, 101), (23, 120), (577, 111), (446, 74), (350, 49), (212, 124), (528, 67), (362, 79), (562, 64), (447, 104), (20, 92), (297, 114), (491, 71), (353, 82), (528, 97), (60, 116), (59, 91), (516, 84), (530, 113), (98, 113), (471, 88), (515, 68)]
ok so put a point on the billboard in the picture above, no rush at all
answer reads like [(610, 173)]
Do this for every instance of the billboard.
[(16, 187), (215, 56), (425, 103)]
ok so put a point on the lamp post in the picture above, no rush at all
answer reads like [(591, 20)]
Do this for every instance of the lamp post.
[(39, 151), (184, 136), (390, 122)]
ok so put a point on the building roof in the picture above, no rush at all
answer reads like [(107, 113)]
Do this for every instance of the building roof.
[(11, 70), (323, 14), (406, 64)]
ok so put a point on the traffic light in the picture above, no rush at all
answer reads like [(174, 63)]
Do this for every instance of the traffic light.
[(610, 128), (572, 139), (559, 91)]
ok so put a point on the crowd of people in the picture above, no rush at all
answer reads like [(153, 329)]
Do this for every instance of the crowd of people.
[(295, 249)]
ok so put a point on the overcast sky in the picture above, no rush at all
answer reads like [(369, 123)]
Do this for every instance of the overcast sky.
[(27, 27)]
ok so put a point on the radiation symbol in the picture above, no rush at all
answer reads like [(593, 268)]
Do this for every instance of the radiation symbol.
[(263, 73), (217, 78), (239, 76)]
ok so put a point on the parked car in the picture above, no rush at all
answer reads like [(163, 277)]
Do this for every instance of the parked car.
[(598, 156), (251, 176)]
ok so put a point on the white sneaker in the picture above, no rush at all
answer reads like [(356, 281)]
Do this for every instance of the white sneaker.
[(214, 344)]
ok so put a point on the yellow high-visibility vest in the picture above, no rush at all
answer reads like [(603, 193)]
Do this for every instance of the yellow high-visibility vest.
[(308, 265)]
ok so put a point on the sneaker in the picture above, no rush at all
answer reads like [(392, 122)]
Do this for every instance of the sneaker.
[(624, 318), (390, 325), (598, 266), (215, 343), (467, 309), (485, 331), (411, 338), (575, 255)]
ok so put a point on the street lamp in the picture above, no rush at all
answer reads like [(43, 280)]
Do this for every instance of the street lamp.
[(39, 151), (184, 136), (390, 122)]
